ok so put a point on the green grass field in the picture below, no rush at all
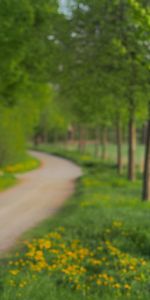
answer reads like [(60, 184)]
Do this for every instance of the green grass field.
[(96, 247), (111, 152)]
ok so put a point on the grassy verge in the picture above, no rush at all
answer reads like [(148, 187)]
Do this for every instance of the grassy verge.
[(7, 180), (27, 163), (111, 152), (8, 173), (97, 247)]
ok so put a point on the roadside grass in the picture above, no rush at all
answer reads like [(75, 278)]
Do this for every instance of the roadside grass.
[(8, 173), (96, 247), (111, 152), (7, 180), (26, 163)]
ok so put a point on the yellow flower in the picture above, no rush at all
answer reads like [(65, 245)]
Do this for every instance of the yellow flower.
[(95, 262), (98, 281), (132, 268), (116, 285), (117, 224), (143, 262), (127, 286), (14, 272)]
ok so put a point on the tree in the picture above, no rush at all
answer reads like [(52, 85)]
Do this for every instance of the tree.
[(24, 67)]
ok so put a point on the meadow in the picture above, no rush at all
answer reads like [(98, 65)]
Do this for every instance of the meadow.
[(96, 247)]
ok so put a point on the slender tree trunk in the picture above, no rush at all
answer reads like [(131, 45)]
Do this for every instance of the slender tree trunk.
[(66, 141), (73, 133), (82, 141), (144, 134), (36, 140), (97, 142), (70, 135), (45, 136), (79, 139), (119, 147), (146, 179), (104, 144), (132, 149), (74, 137), (55, 138)]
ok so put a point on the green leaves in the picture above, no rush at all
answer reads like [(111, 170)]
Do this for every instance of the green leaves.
[(24, 69)]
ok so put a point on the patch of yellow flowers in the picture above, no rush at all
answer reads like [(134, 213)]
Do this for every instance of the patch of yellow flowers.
[(79, 266), (21, 167), (91, 182)]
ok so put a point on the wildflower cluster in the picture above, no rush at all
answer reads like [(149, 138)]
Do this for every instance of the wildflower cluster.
[(91, 182), (22, 167), (86, 158), (79, 266)]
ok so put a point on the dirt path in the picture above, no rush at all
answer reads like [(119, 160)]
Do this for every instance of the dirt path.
[(39, 195)]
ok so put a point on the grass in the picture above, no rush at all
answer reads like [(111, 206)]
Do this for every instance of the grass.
[(111, 151), (96, 247), (27, 163), (8, 173), (7, 180)]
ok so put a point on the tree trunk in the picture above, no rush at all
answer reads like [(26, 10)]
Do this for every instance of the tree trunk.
[(45, 136), (66, 141), (36, 140), (55, 136), (132, 149), (82, 141), (104, 144), (97, 140), (146, 179), (119, 147), (144, 134)]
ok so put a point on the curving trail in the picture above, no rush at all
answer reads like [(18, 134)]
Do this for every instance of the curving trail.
[(39, 194)]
